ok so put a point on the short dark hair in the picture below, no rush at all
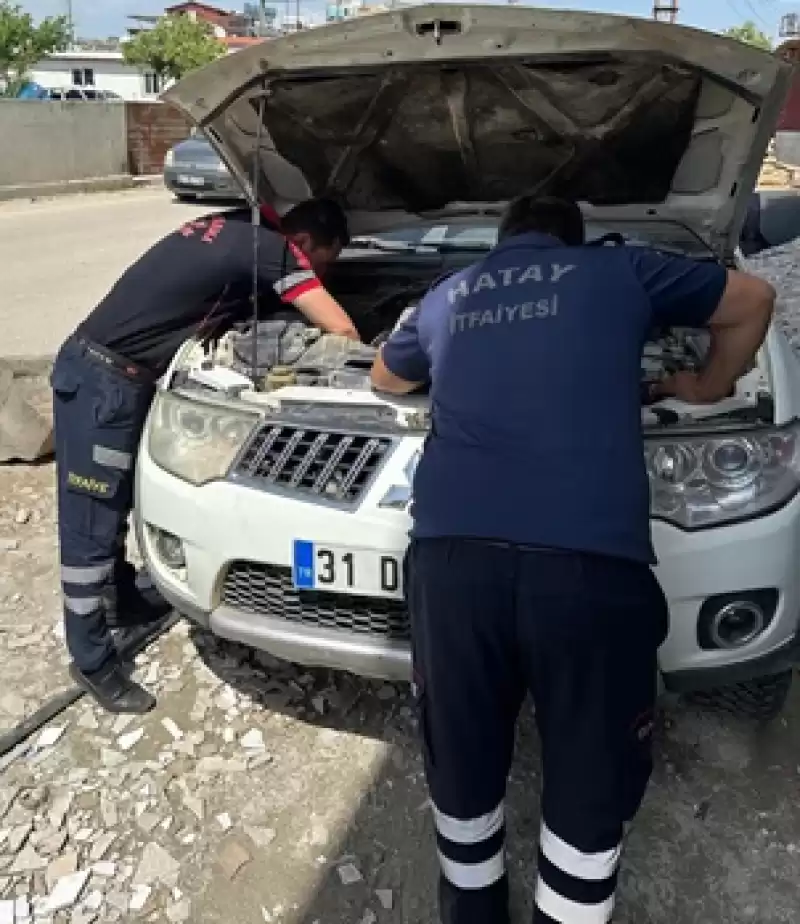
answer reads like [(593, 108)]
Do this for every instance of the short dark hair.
[(323, 219), (546, 214)]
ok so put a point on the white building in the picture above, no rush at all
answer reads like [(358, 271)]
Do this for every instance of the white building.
[(102, 70)]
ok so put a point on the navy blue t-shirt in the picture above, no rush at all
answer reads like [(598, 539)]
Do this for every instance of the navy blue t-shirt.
[(534, 360)]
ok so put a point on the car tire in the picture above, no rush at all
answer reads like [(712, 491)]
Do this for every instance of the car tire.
[(762, 699)]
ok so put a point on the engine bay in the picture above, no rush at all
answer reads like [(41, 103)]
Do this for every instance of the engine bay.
[(284, 351)]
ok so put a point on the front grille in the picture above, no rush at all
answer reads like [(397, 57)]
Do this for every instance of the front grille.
[(338, 466), (267, 590)]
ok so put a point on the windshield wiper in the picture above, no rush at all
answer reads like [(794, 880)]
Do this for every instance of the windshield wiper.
[(377, 243)]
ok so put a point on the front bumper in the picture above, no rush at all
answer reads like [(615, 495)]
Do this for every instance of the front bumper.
[(225, 526)]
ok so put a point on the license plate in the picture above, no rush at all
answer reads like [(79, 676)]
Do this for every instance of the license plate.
[(345, 570), (186, 180)]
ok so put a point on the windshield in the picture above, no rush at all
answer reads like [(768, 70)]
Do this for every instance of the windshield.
[(480, 234)]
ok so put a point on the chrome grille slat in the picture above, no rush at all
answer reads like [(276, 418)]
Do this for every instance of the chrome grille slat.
[(358, 466), (270, 437), (279, 463), (267, 590), (334, 460), (313, 452)]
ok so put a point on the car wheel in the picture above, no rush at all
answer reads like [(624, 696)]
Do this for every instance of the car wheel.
[(761, 699)]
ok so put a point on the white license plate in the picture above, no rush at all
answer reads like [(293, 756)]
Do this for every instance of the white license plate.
[(186, 180), (345, 570)]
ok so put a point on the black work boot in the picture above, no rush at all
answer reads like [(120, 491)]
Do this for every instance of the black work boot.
[(113, 689)]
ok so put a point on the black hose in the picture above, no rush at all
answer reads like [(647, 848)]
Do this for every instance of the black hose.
[(136, 641)]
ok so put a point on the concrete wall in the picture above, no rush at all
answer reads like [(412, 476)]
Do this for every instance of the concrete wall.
[(49, 142)]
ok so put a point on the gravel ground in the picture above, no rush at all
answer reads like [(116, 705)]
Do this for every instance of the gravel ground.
[(260, 792)]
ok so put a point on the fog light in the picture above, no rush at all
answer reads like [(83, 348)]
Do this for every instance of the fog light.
[(732, 621), (737, 624), (169, 548)]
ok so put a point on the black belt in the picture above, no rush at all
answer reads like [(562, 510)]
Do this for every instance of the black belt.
[(121, 364)]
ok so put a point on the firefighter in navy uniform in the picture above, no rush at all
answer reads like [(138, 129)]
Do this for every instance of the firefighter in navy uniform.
[(530, 562), (196, 281)]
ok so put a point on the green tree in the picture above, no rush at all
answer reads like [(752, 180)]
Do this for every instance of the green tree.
[(750, 34), (23, 43), (173, 47)]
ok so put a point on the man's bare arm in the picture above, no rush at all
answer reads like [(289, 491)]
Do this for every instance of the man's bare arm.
[(738, 328), (323, 311), (385, 380)]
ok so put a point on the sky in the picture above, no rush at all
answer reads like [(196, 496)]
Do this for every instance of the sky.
[(103, 18)]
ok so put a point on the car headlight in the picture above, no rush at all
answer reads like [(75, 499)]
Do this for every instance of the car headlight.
[(169, 160), (195, 441), (696, 482)]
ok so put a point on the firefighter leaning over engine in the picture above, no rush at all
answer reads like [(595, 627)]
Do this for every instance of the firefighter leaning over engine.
[(530, 562), (196, 281)]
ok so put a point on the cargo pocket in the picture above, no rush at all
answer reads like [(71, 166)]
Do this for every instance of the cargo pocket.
[(64, 381), (98, 481), (93, 502), (113, 406)]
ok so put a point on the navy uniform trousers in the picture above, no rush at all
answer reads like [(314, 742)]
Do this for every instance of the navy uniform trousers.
[(99, 412), (490, 622)]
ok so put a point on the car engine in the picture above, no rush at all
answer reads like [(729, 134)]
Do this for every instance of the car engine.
[(288, 352), (672, 350)]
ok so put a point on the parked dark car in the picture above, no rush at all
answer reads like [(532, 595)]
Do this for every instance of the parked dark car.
[(773, 218), (193, 170), (85, 94)]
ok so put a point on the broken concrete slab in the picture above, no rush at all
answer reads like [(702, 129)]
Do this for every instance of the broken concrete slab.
[(232, 858), (26, 434), (156, 865)]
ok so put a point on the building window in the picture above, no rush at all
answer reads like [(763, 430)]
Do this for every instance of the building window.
[(83, 76), (152, 84)]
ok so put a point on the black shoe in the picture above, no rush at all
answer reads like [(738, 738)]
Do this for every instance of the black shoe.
[(113, 690)]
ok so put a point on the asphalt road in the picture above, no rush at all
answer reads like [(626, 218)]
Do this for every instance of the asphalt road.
[(58, 257)]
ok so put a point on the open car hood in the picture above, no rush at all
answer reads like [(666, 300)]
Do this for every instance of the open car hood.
[(433, 108)]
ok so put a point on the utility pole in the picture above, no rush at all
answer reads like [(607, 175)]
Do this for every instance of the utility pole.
[(665, 11), (70, 23)]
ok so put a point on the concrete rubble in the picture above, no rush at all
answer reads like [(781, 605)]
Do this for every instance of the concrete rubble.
[(26, 426)]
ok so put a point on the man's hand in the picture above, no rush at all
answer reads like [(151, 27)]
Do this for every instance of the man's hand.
[(325, 312), (383, 379), (692, 388)]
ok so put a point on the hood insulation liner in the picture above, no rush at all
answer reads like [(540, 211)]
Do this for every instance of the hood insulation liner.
[(607, 131)]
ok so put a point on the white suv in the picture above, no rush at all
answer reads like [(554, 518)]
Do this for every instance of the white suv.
[(273, 504)]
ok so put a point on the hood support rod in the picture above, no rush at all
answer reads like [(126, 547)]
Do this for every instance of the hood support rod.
[(255, 182)]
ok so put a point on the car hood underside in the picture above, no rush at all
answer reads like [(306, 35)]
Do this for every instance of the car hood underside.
[(422, 110)]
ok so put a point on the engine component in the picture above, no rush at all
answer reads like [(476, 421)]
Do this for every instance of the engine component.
[(279, 377), (278, 342), (670, 351)]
